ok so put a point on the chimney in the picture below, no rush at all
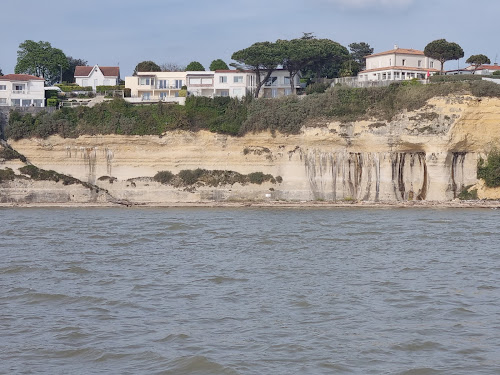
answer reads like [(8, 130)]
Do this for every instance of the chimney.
[(396, 46), (496, 64)]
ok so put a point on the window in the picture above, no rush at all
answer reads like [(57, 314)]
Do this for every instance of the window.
[(146, 96), (223, 79), (288, 92), (194, 81), (238, 79), (396, 75), (419, 63), (286, 80), (274, 93), (3, 87), (432, 64), (162, 83), (18, 87), (26, 102), (207, 81), (390, 62), (16, 102), (272, 81), (178, 83), (163, 95), (3, 101), (145, 81), (238, 93), (38, 102), (403, 62), (224, 93)]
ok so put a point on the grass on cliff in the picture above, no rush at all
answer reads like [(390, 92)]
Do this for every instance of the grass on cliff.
[(489, 170), (189, 177), (237, 117)]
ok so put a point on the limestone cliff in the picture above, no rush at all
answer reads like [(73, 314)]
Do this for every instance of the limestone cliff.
[(430, 154)]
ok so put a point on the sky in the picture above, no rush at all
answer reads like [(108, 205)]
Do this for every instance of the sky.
[(126, 32)]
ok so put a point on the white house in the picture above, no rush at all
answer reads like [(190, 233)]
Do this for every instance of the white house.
[(200, 83), (398, 64), (233, 83), (93, 76), (156, 86), (278, 84), (22, 90), (484, 69)]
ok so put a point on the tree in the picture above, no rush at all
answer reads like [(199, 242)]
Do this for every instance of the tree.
[(299, 53), (477, 61), (172, 67), (329, 59), (443, 51), (1, 74), (218, 65), (69, 73), (194, 66), (146, 66), (358, 53), (40, 59), (262, 58)]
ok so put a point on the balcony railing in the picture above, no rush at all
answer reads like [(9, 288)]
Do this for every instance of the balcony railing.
[(19, 92)]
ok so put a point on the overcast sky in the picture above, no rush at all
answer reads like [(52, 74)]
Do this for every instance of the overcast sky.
[(125, 32)]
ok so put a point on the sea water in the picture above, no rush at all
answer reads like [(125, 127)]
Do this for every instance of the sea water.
[(249, 291)]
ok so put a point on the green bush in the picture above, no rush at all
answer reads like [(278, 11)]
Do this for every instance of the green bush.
[(468, 195), (43, 175), (455, 78), (163, 177), (190, 177), (489, 170), (52, 102), (103, 89), (8, 153), (496, 73), (73, 87), (317, 88), (6, 174)]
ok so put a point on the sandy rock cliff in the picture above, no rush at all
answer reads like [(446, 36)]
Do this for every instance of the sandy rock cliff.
[(430, 154)]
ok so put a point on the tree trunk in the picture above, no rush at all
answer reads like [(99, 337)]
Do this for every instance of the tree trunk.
[(292, 84), (259, 82)]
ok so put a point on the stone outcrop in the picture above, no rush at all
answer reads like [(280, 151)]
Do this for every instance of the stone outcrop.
[(430, 154)]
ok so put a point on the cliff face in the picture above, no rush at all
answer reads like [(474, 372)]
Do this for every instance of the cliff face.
[(430, 154)]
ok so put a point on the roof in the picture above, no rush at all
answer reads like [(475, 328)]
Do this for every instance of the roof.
[(401, 51), (486, 67), (107, 71), (424, 70), (234, 71), (20, 77)]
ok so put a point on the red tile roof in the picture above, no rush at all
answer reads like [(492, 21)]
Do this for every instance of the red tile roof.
[(234, 71), (487, 67), (20, 77), (401, 51), (423, 70), (107, 71)]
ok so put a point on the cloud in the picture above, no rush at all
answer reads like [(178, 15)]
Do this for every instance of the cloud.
[(365, 4)]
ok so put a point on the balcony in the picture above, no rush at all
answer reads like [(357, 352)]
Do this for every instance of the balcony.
[(21, 92)]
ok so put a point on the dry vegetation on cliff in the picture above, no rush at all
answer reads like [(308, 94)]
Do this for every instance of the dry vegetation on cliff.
[(238, 117)]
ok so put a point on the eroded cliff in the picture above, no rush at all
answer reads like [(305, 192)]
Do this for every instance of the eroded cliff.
[(430, 154)]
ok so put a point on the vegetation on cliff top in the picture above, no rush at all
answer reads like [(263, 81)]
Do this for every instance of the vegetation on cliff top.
[(237, 117)]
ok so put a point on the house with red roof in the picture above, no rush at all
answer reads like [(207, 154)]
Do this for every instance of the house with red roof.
[(22, 90), (398, 64), (93, 76), (484, 69)]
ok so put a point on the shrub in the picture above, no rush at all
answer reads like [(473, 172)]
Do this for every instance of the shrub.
[(317, 88), (43, 175), (52, 102), (7, 153), (6, 174), (190, 177), (455, 78), (489, 171), (496, 73), (163, 176), (468, 195)]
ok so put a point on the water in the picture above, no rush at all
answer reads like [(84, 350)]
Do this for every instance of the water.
[(249, 291)]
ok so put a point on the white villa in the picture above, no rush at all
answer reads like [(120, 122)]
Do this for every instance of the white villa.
[(22, 90), (165, 86), (156, 86), (93, 76), (398, 64)]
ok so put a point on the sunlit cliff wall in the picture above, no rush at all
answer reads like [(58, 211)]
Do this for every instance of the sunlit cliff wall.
[(430, 154)]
